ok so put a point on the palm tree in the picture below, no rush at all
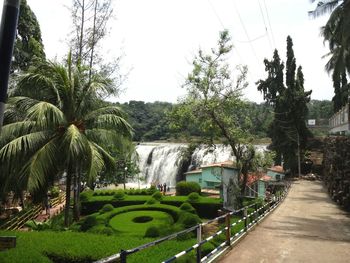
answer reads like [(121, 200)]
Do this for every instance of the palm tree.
[(336, 33), (59, 128)]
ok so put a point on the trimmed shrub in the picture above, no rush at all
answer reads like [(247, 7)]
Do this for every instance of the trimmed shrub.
[(84, 196), (151, 201), (119, 195), (185, 188), (188, 208), (193, 197), (88, 222), (106, 208), (152, 190), (152, 231), (188, 220), (55, 191), (157, 195), (107, 231)]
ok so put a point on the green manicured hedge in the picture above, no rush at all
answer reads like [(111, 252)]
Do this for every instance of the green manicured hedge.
[(206, 207), (185, 188)]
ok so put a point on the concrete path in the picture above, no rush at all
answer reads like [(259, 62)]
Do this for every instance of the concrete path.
[(306, 227)]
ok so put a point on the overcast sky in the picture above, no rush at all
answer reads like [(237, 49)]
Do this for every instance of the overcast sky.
[(159, 39)]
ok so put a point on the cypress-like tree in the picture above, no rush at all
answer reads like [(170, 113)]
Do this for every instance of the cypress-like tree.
[(288, 130)]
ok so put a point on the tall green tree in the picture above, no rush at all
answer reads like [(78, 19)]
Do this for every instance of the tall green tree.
[(213, 100), (336, 33), (28, 48), (60, 130), (288, 130)]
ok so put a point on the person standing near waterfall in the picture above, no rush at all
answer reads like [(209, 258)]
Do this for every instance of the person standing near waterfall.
[(164, 188)]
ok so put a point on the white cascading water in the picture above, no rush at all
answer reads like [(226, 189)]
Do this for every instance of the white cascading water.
[(159, 162)]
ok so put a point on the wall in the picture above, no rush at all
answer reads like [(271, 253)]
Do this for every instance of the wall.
[(195, 178)]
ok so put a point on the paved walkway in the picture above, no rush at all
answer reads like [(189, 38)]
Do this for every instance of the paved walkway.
[(306, 227)]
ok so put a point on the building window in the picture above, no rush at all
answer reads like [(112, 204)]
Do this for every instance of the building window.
[(200, 180)]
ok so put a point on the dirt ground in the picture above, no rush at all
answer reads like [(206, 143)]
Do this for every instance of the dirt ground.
[(306, 227)]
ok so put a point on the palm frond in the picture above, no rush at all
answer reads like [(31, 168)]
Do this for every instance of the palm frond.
[(324, 7), (22, 103), (103, 136), (46, 115), (95, 164), (41, 166), (14, 130), (109, 161), (112, 121), (75, 144), (105, 110), (21, 147)]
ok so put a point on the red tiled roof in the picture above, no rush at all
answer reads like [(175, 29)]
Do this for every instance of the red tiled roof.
[(276, 168), (252, 178)]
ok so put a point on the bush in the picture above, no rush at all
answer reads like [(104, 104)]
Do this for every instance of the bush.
[(157, 195), (84, 196), (119, 195), (152, 231), (151, 201), (188, 220), (88, 222), (55, 191), (106, 208), (106, 231), (193, 197), (188, 208), (152, 190), (185, 188)]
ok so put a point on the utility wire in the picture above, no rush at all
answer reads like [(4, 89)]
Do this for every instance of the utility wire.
[(263, 17), (268, 19), (246, 32)]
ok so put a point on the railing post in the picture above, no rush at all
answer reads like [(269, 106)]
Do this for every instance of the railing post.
[(123, 255), (256, 207), (199, 239), (245, 214), (228, 230)]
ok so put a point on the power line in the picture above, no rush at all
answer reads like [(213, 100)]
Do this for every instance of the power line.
[(245, 31), (268, 19), (267, 32)]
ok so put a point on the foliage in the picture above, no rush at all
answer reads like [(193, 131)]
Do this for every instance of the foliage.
[(28, 49), (185, 188), (119, 195), (59, 129), (107, 208), (157, 195), (151, 201), (288, 129), (187, 207), (152, 231), (188, 219), (54, 191), (193, 197), (125, 223), (88, 222), (336, 33)]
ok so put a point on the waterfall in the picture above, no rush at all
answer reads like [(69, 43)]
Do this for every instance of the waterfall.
[(160, 162)]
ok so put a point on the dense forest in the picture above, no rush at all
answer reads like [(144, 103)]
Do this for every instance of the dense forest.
[(151, 120)]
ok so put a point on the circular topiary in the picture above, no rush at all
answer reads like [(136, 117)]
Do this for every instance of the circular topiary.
[(188, 220), (142, 219), (157, 195), (152, 231), (151, 201), (187, 207), (107, 208), (193, 197), (119, 195)]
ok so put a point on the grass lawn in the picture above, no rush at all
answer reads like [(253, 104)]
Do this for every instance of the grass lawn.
[(125, 223)]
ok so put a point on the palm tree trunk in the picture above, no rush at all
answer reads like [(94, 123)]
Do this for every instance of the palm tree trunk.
[(76, 213), (68, 191)]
